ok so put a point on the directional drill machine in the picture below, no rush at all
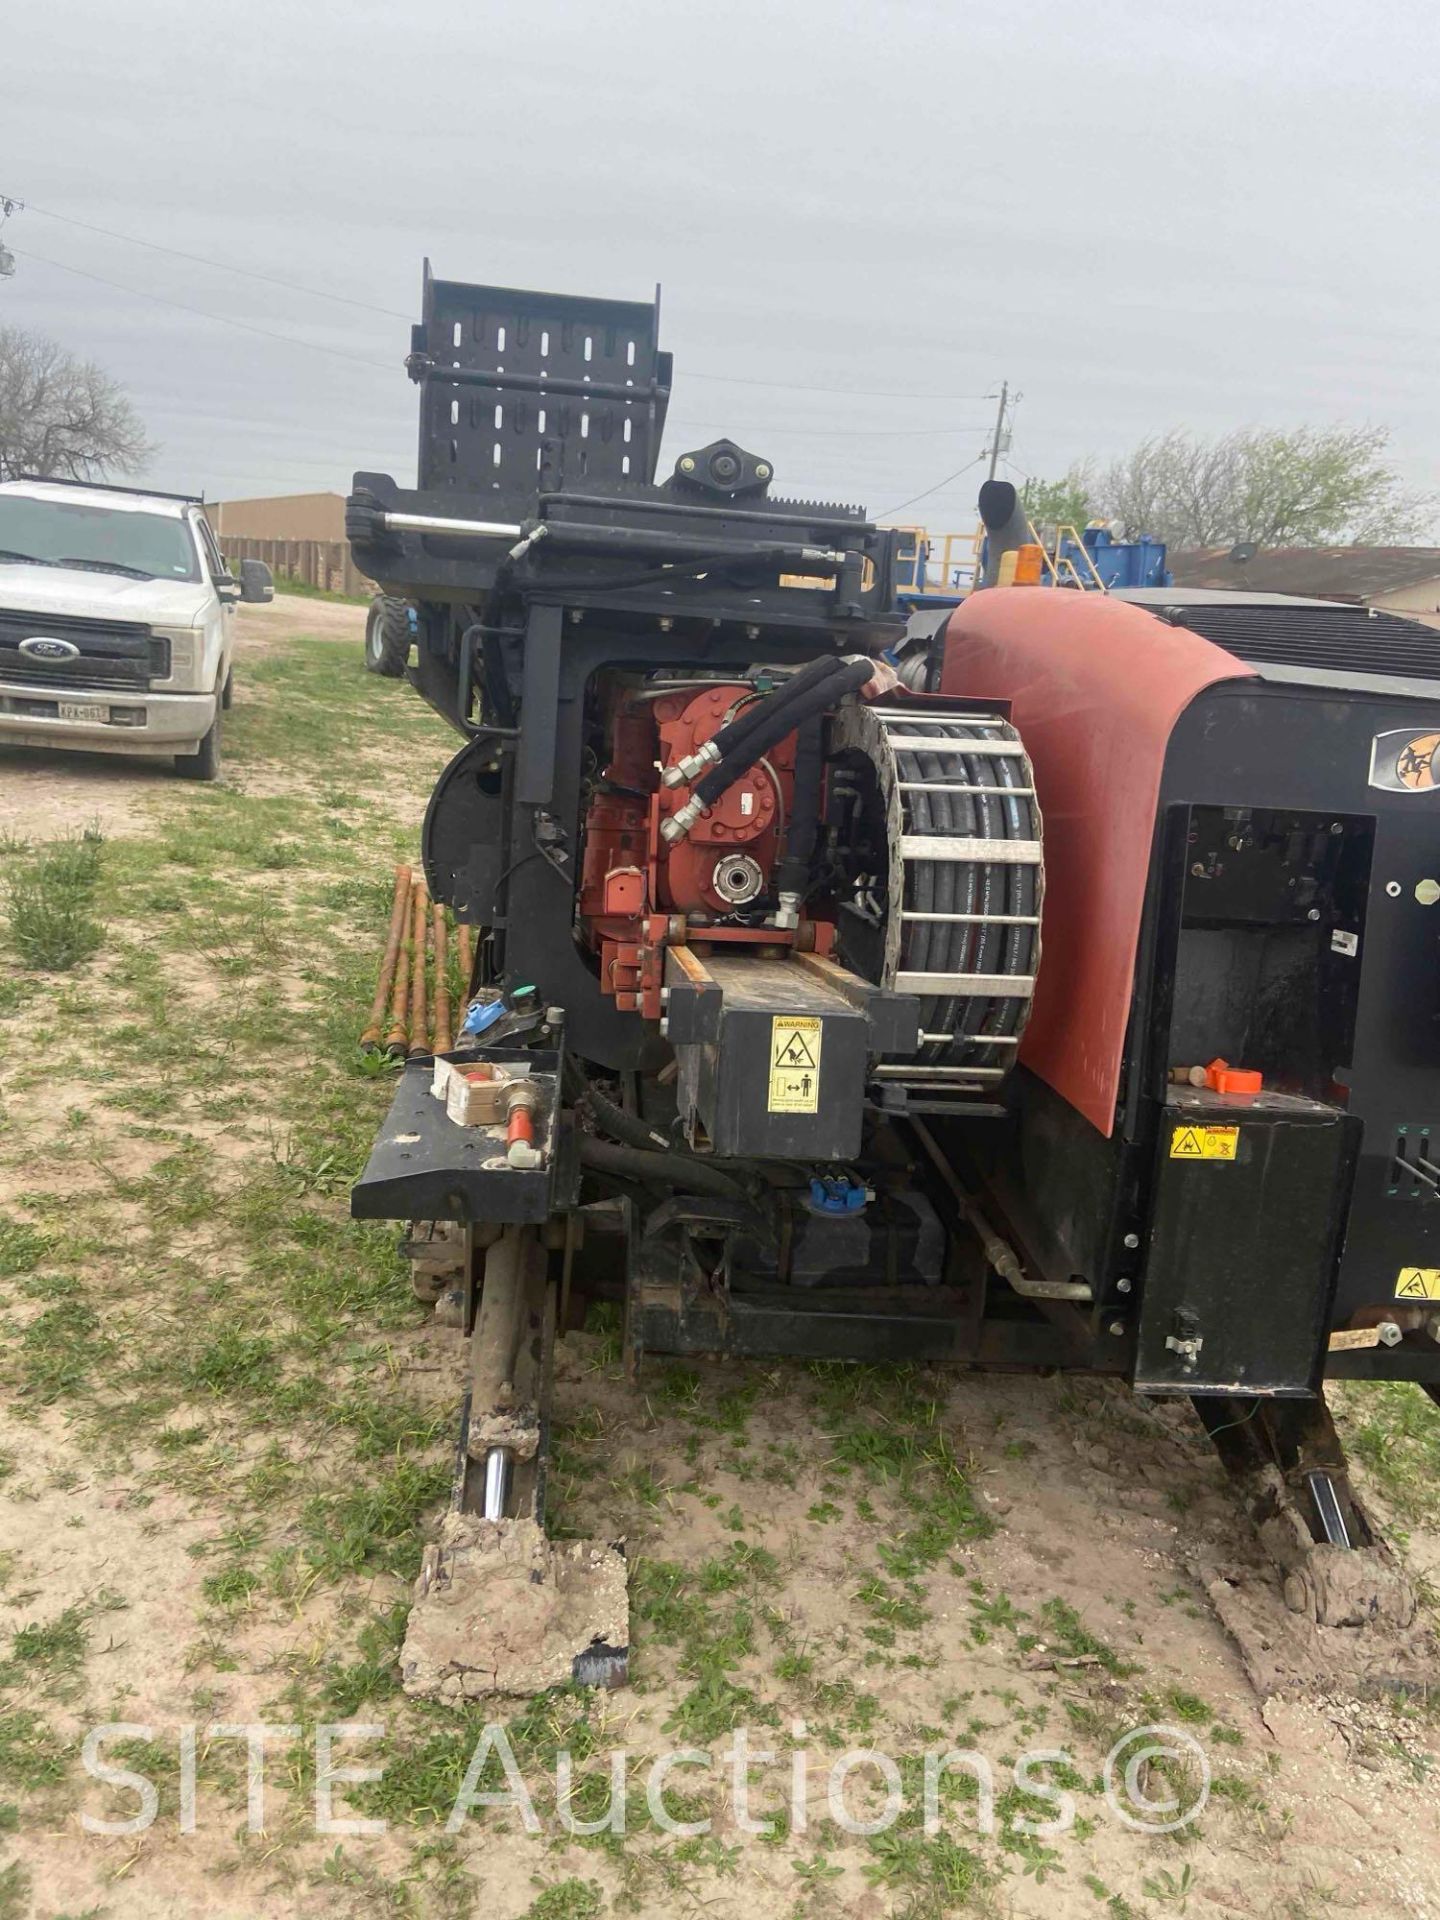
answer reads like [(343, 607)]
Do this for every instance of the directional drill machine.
[(757, 882)]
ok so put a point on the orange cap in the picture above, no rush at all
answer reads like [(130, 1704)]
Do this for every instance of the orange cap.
[(1221, 1077)]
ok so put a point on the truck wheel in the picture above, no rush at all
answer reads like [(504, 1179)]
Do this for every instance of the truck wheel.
[(204, 763), (388, 636)]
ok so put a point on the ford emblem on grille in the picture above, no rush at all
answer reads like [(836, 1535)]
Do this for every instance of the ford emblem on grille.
[(40, 646)]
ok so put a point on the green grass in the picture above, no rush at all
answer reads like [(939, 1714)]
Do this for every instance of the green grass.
[(934, 1877), (52, 1648), (58, 1350), (567, 1900), (51, 905), (14, 1892), (1064, 1628), (31, 1755), (22, 1247), (179, 1278), (182, 1290), (1393, 1429), (291, 585)]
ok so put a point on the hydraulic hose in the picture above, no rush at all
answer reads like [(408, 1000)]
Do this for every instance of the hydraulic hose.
[(738, 730), (623, 1126), (774, 723), (689, 1173), (794, 870)]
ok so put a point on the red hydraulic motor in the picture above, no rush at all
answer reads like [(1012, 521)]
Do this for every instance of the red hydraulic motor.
[(662, 866)]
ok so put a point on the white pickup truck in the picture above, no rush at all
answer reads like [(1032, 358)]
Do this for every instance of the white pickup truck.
[(117, 617)]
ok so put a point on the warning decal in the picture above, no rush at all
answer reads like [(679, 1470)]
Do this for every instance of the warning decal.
[(1418, 1283), (794, 1064), (1204, 1143)]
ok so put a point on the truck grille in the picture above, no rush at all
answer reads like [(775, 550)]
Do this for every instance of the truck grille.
[(113, 653), (1338, 639)]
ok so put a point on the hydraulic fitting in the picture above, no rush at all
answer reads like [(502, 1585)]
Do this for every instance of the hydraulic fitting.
[(691, 765), (681, 821), (521, 1106)]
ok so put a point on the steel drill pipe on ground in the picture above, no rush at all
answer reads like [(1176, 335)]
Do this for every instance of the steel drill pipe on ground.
[(442, 980), (419, 1029), (467, 967), (370, 1038), (397, 1039)]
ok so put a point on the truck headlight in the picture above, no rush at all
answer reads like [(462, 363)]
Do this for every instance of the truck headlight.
[(184, 645)]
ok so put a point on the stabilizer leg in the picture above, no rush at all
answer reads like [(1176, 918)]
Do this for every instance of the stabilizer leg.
[(1350, 1612), (499, 1608), (1289, 1464)]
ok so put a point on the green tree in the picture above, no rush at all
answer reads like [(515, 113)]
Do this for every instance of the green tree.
[(1309, 487), (1060, 503)]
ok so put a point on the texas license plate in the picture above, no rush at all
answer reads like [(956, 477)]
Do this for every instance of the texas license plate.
[(72, 710)]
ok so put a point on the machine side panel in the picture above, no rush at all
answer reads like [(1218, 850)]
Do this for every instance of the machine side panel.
[(1243, 1244), (1337, 751), (1095, 688)]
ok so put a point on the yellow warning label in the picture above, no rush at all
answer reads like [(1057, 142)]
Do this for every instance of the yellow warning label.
[(1204, 1143), (794, 1064), (1418, 1283)]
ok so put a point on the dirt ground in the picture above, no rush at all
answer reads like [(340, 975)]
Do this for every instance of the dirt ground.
[(778, 1514)]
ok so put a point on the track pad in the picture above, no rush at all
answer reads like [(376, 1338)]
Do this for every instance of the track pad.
[(499, 1609)]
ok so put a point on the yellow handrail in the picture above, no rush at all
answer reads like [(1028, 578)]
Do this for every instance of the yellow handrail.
[(1061, 565), (947, 554)]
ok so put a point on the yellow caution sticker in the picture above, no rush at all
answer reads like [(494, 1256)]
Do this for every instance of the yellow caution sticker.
[(794, 1064), (1418, 1283), (1204, 1143)]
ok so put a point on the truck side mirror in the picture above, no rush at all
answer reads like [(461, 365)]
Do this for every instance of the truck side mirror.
[(257, 583)]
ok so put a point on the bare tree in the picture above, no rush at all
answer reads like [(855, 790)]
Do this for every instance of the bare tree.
[(63, 416), (1312, 487)]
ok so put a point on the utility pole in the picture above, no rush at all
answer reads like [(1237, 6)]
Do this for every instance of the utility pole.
[(997, 446), (7, 258)]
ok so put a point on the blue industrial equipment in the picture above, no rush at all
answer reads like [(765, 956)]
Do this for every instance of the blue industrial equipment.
[(1119, 563), (939, 569)]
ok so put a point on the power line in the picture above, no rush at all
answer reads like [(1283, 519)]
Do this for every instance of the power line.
[(228, 266), (832, 433), (996, 448), (390, 313), (339, 353), (867, 393), (935, 489), (225, 319)]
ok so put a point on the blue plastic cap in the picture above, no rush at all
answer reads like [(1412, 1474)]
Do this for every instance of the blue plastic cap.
[(835, 1193), (481, 1017)]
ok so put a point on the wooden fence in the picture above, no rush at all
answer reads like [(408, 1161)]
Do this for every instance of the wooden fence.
[(319, 563)]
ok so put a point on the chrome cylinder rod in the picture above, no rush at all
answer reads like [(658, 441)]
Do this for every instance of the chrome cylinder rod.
[(498, 1464)]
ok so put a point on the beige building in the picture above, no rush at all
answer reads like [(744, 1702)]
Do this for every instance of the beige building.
[(1403, 580), (285, 516), (299, 536)]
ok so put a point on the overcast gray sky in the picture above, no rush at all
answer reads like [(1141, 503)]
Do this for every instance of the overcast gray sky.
[(1143, 214)]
